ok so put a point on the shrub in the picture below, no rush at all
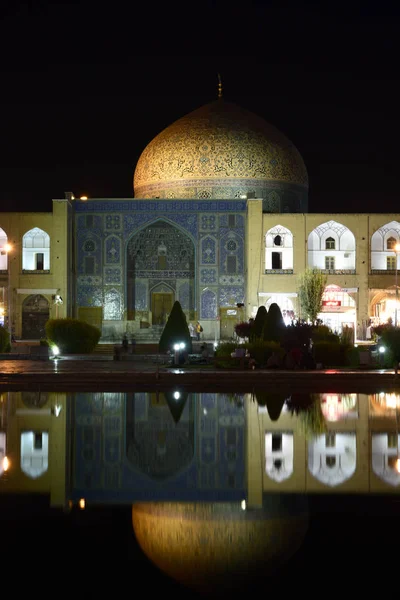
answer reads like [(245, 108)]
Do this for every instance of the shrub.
[(243, 329), (297, 335), (322, 333), (332, 354), (261, 351), (5, 344), (72, 336), (176, 330)]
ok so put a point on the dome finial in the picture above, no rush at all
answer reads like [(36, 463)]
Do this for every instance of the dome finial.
[(219, 86)]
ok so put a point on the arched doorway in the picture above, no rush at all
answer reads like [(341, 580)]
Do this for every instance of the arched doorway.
[(35, 314), (160, 270)]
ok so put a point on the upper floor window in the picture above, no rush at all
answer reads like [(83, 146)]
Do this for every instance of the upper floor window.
[(391, 263), (277, 240), (36, 250), (391, 243), (329, 243), (330, 263)]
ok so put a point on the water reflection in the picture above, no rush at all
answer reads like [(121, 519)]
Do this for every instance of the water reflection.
[(218, 483)]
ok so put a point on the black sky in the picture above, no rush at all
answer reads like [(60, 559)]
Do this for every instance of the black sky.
[(85, 87)]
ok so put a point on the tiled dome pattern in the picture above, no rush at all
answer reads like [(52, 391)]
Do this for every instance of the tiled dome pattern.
[(217, 151)]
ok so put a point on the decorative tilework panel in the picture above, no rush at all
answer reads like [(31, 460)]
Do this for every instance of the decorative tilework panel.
[(141, 295), (159, 206), (187, 222), (208, 305), (229, 296), (112, 275), (185, 296), (88, 244), (231, 245), (208, 222), (113, 250), (239, 221), (112, 306), (208, 251), (231, 280), (208, 276), (90, 295), (113, 222), (89, 280)]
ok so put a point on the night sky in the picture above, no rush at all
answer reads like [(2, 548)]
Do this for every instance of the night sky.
[(85, 87)]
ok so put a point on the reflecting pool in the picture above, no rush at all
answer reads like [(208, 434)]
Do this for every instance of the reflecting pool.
[(208, 491)]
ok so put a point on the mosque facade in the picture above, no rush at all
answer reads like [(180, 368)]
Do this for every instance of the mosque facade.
[(218, 220)]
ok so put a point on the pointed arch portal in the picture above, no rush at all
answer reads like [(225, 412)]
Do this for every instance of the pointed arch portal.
[(160, 270)]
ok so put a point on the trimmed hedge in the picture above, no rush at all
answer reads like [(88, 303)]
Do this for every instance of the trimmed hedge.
[(72, 336)]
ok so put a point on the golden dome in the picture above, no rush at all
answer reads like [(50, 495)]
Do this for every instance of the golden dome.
[(209, 545), (218, 151)]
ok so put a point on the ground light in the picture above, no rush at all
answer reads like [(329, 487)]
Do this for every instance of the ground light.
[(5, 464)]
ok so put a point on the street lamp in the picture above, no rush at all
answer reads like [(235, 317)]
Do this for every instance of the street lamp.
[(396, 250)]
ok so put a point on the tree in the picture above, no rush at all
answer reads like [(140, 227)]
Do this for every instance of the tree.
[(258, 325), (390, 338), (176, 330), (274, 326), (312, 284)]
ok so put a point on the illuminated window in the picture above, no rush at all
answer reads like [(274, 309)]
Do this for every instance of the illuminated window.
[(391, 243), (277, 260), (276, 442), (330, 263), (39, 261), (330, 439), (329, 243), (391, 263)]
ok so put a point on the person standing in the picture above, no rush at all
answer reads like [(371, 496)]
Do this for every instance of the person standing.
[(192, 331), (199, 329)]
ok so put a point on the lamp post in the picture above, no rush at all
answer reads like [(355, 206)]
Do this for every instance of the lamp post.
[(396, 250)]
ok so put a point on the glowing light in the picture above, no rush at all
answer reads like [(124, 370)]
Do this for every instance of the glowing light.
[(57, 409), (181, 345), (55, 350), (5, 464), (382, 349), (176, 347), (8, 247), (82, 503), (243, 505), (83, 198), (397, 248), (398, 465), (177, 395)]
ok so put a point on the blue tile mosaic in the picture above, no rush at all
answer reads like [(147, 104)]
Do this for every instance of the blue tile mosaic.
[(112, 306), (208, 276), (208, 251), (208, 305), (112, 275), (112, 250), (229, 296)]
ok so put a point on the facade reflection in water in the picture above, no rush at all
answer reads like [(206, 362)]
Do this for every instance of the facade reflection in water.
[(229, 474)]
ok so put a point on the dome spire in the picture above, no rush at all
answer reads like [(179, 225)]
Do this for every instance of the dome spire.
[(219, 86)]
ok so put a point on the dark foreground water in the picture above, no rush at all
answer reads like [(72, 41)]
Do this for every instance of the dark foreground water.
[(322, 467)]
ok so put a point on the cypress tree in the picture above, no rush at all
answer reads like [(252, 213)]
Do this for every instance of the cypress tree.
[(274, 326), (258, 325), (176, 330)]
